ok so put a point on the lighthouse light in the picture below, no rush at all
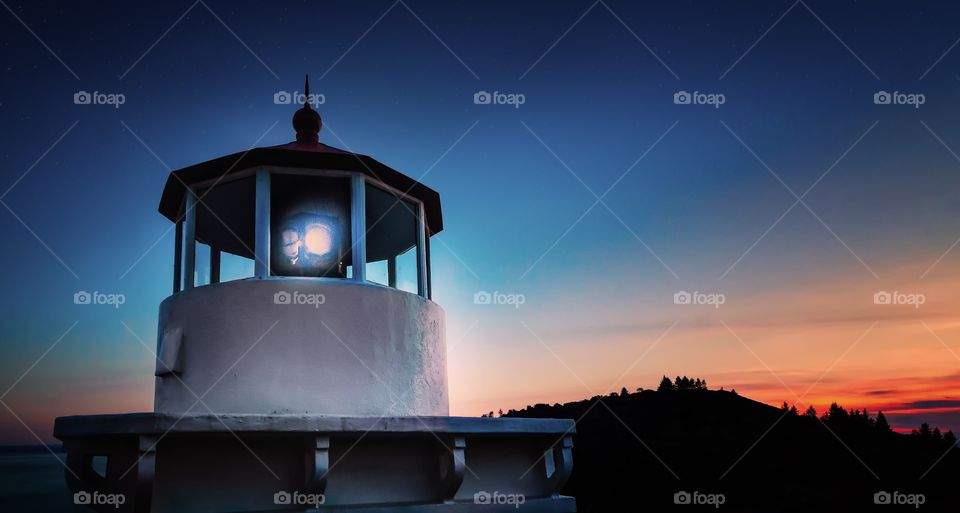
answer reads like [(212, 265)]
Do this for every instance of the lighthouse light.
[(317, 239), (310, 218)]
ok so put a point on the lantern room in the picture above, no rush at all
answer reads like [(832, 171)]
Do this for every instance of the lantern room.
[(303, 209)]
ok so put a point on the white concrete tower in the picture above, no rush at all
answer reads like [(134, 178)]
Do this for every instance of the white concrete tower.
[(335, 317)]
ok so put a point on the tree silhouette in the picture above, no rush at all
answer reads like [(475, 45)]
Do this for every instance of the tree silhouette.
[(682, 383), (665, 385), (811, 411), (881, 423), (949, 439), (836, 414)]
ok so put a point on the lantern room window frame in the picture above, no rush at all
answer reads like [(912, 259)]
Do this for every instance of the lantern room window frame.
[(185, 249)]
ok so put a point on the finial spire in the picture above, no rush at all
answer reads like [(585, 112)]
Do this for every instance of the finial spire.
[(306, 121), (306, 91)]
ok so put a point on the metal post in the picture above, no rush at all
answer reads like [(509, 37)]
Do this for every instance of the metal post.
[(359, 227), (262, 229), (177, 256), (421, 252), (426, 240), (190, 260), (392, 271), (214, 265)]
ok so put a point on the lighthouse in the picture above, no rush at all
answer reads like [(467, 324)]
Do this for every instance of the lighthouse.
[(300, 359)]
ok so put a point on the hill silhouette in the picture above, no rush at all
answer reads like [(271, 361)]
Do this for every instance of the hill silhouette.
[(637, 450)]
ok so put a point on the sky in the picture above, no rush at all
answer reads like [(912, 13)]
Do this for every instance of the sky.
[(788, 197)]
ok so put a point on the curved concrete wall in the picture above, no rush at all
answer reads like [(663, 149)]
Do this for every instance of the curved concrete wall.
[(301, 346)]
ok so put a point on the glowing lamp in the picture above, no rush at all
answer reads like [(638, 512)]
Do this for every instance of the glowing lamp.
[(318, 239), (309, 245)]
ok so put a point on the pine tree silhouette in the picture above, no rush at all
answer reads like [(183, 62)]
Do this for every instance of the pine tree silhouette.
[(665, 385), (881, 423), (949, 439)]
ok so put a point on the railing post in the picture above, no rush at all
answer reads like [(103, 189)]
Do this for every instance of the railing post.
[(453, 465)]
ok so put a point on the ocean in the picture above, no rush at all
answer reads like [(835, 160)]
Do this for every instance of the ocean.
[(31, 479)]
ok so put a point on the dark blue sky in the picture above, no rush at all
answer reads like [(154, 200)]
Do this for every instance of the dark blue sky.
[(399, 80)]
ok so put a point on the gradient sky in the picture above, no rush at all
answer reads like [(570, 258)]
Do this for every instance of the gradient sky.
[(699, 198)]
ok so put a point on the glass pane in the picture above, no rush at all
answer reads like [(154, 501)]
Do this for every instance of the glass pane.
[(407, 271), (310, 225), (226, 216), (202, 274), (391, 236), (377, 272), (233, 267)]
